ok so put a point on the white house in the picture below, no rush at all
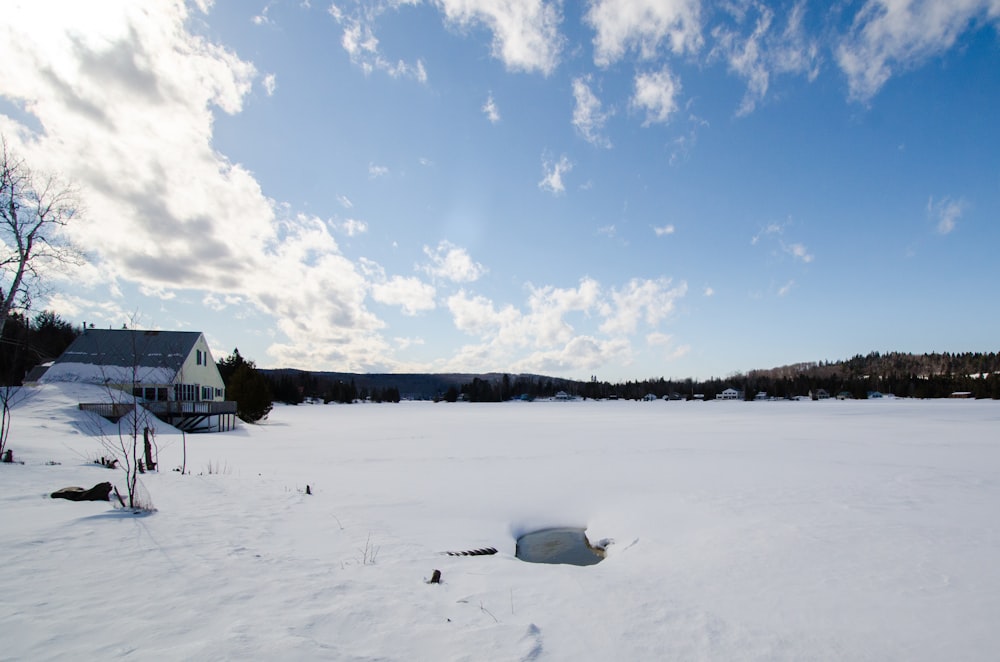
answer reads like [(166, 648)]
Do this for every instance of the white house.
[(172, 373), (731, 394)]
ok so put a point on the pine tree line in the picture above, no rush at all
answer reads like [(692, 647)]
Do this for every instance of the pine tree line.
[(28, 342), (937, 375), (295, 386)]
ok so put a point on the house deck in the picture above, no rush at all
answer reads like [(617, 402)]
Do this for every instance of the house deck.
[(206, 416)]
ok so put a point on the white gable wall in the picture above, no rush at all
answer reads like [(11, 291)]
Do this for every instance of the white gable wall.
[(205, 373)]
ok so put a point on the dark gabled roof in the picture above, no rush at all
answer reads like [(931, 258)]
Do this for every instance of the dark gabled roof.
[(129, 347)]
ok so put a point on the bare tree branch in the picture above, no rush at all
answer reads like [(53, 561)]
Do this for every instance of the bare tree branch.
[(34, 211)]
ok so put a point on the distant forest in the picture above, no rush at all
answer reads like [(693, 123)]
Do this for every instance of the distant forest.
[(903, 375)]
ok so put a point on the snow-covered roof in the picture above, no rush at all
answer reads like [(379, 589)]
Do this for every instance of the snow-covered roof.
[(123, 356)]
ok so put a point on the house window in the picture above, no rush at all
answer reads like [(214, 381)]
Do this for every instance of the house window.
[(150, 393), (186, 392), (197, 356), (206, 392)]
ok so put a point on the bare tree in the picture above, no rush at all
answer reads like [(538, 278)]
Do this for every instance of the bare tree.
[(131, 429), (135, 424), (7, 393), (34, 209)]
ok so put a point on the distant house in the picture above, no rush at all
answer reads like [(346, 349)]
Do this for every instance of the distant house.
[(172, 373), (872, 395), (845, 395), (562, 395), (650, 397), (731, 394), (961, 394), (820, 394), (761, 395)]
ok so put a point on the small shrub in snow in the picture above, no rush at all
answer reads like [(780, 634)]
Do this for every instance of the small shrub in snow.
[(370, 552), (216, 468)]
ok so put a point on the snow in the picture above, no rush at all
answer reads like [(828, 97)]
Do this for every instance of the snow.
[(862, 530), (91, 373)]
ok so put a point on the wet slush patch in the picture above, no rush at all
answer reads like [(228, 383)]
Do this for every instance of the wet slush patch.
[(559, 545)]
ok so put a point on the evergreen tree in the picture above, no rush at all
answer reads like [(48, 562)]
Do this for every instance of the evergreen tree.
[(246, 386), (29, 342)]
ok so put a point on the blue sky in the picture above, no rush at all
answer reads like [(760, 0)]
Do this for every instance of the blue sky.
[(619, 188)]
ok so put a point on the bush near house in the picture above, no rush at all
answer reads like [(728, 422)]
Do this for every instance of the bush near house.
[(246, 386)]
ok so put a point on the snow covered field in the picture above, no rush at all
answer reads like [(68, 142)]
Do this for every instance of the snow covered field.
[(757, 531)]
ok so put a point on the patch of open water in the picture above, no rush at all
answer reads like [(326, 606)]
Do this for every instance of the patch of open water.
[(558, 545)]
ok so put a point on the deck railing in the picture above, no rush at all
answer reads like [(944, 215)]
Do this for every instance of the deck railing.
[(209, 408), (115, 410), (110, 410)]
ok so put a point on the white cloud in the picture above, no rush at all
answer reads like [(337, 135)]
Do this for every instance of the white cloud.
[(125, 96), (552, 174), (546, 334), (99, 312), (786, 288), (945, 213), (640, 300), (765, 52), (219, 303), (410, 293), (452, 263), (543, 327), (683, 144), (404, 343), (658, 339), (525, 32), (157, 291), (353, 227), (772, 228), (376, 171), (491, 110), (344, 201), (778, 245), (362, 45), (588, 117), (799, 252), (891, 35), (643, 26), (580, 353), (664, 230), (708, 291), (656, 94), (270, 84)]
